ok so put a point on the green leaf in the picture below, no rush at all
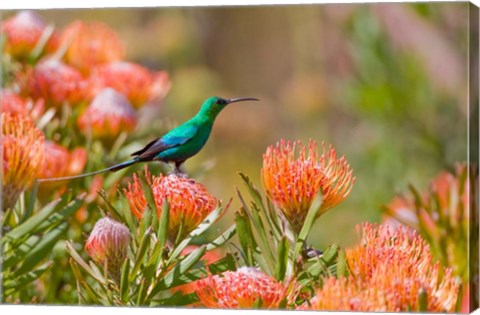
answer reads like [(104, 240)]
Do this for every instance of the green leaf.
[(201, 228), (30, 205), (141, 252), (41, 43), (14, 256), (342, 270), (172, 278), (227, 263), (60, 216), (271, 216), (307, 226), (282, 259), (245, 236), (222, 239), (15, 285), (263, 243), (25, 228), (422, 301), (124, 283), (178, 299), (162, 232), (42, 249), (79, 260)]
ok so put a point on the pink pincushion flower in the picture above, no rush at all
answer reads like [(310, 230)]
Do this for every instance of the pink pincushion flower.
[(22, 33), (108, 115), (107, 244)]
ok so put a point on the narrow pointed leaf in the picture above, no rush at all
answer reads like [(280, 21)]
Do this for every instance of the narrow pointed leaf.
[(307, 226), (172, 278), (20, 282), (282, 259), (42, 249)]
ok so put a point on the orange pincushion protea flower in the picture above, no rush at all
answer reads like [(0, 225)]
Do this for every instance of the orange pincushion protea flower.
[(293, 182), (107, 244), (242, 289), (59, 162), (54, 82), (137, 83), (109, 114), (14, 104), (22, 32), (390, 269), (91, 44), (189, 202), (23, 150)]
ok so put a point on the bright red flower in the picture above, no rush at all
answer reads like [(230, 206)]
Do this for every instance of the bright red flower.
[(22, 33), (293, 182), (107, 244), (137, 83), (16, 105), (23, 150), (189, 202), (55, 82), (107, 115), (242, 289), (91, 44), (390, 270)]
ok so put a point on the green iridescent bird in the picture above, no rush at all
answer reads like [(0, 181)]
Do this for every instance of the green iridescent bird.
[(178, 144)]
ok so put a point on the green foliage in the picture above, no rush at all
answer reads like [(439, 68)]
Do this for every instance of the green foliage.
[(268, 243), (27, 242), (154, 267)]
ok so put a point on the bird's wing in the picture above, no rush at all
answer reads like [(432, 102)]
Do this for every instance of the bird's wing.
[(175, 137)]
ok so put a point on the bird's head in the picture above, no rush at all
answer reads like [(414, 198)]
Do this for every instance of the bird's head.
[(213, 105)]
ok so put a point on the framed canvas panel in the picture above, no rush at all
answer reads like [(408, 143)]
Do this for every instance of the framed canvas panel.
[(301, 157)]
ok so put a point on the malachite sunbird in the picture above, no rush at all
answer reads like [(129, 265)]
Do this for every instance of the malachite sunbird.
[(178, 144)]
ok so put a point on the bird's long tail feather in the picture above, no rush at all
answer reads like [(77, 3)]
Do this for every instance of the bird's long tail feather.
[(112, 168)]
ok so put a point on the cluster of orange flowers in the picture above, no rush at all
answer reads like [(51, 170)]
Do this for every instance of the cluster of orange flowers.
[(391, 270), (81, 67), (292, 182)]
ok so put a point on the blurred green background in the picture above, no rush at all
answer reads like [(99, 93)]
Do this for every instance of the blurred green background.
[(386, 84)]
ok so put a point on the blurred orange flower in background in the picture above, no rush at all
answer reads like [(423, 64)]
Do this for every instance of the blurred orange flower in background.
[(293, 182), (443, 216), (23, 32), (59, 162), (90, 44), (12, 103), (137, 83), (53, 81), (189, 202), (23, 150), (391, 270), (243, 288), (107, 115)]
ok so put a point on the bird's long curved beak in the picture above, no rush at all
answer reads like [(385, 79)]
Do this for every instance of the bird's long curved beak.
[(241, 99)]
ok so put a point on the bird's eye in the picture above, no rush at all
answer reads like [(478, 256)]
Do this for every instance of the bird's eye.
[(220, 102)]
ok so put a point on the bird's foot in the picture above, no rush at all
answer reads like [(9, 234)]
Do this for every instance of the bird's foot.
[(177, 172)]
